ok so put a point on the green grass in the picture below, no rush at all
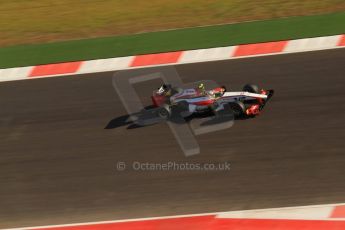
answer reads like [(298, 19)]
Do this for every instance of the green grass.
[(41, 21), (182, 39)]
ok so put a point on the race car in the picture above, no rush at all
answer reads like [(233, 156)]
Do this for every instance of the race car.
[(246, 103)]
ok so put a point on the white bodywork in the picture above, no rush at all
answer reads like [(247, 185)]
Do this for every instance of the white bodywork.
[(200, 101)]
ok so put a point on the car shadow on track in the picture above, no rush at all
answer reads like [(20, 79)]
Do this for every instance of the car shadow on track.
[(125, 120), (122, 121)]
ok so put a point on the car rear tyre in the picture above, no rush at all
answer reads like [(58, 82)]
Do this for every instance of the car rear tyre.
[(164, 111), (251, 88), (238, 108)]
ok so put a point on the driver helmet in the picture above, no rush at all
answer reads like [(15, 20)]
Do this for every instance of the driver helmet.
[(201, 86)]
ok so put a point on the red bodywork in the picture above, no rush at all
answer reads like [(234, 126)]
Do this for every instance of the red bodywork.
[(207, 102), (255, 109), (158, 100)]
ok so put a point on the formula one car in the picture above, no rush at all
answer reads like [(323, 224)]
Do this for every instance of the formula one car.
[(246, 103)]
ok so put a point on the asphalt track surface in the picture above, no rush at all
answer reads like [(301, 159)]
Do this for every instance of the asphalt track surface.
[(58, 159)]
